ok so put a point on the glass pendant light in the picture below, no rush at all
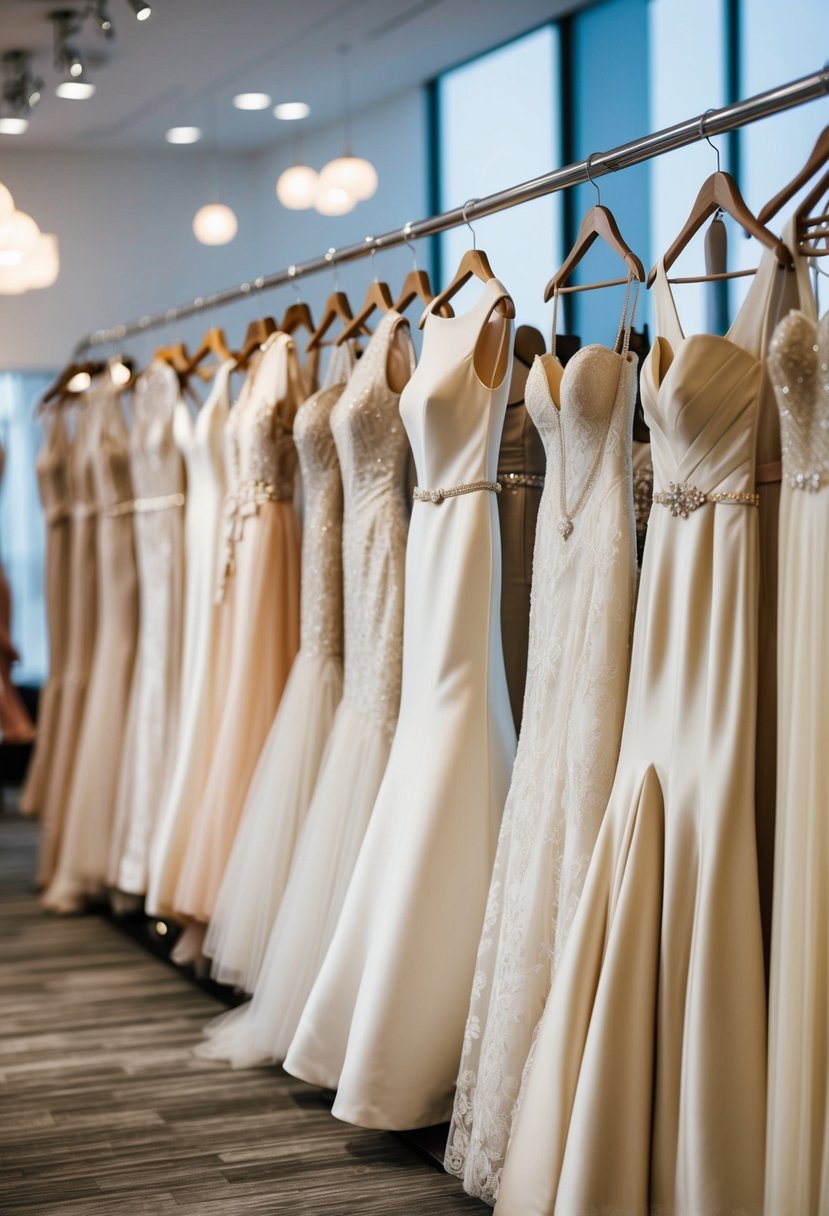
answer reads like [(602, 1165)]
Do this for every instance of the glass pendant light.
[(296, 188), (353, 174), (39, 268), (6, 203), (215, 224), (18, 237), (333, 199)]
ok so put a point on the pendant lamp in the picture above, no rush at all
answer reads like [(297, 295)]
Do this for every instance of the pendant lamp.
[(350, 173), (296, 188), (18, 237), (215, 224)]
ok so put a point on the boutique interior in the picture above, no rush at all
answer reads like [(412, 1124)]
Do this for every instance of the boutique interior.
[(349, 861)]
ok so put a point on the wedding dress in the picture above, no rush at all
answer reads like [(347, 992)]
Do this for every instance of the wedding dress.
[(372, 450), (580, 622), (158, 484), (201, 443), (797, 1146), (283, 783), (645, 1090), (384, 1022), (82, 869)]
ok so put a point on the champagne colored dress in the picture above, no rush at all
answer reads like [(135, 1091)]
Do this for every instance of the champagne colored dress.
[(384, 1023), (645, 1091), (372, 449), (81, 609), (283, 784), (263, 561), (82, 869), (52, 469), (202, 445)]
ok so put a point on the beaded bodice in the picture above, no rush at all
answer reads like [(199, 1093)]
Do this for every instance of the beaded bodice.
[(260, 428), (110, 444), (52, 468), (321, 624), (798, 365), (85, 491), (157, 466)]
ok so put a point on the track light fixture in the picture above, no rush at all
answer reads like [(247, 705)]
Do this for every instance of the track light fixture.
[(141, 9), (21, 89), (68, 59), (99, 12)]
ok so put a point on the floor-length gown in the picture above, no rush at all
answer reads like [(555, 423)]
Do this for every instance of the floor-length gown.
[(158, 484), (202, 445), (81, 610), (797, 1146), (52, 468), (645, 1091), (283, 784), (264, 558), (384, 1023), (373, 451), (580, 624), (82, 868)]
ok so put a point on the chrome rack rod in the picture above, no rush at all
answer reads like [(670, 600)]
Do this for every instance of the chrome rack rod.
[(712, 122)]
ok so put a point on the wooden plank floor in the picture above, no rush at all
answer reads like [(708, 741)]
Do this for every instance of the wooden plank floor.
[(104, 1110)]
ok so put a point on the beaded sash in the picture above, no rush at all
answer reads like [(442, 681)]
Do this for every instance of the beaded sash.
[(683, 499), (467, 487)]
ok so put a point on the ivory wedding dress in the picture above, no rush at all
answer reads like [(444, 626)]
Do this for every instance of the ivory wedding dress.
[(372, 450), (384, 1022), (283, 784), (797, 1146), (645, 1091), (201, 443), (580, 622)]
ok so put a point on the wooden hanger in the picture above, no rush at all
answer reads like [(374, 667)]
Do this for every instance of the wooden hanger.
[(214, 342), (256, 334), (817, 160), (337, 308), (810, 228), (379, 297), (60, 387), (473, 263), (176, 356), (599, 222), (297, 316), (720, 190), (416, 286), (528, 343)]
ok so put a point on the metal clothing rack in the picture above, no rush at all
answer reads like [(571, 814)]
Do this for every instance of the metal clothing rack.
[(712, 122)]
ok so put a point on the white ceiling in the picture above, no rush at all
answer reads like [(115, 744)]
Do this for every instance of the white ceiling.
[(183, 65)]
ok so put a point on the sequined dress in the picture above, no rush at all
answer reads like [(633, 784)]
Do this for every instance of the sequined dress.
[(260, 569), (372, 449), (282, 786)]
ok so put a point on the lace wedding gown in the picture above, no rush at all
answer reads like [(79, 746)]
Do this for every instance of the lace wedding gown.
[(283, 784), (645, 1091), (372, 449), (202, 445), (384, 1022), (797, 1146), (580, 622)]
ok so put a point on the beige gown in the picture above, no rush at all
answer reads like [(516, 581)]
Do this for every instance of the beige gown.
[(646, 1089)]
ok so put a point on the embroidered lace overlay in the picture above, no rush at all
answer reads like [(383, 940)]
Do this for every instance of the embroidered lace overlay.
[(798, 364), (580, 621)]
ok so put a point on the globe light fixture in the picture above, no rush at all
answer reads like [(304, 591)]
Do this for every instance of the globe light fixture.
[(332, 199), (296, 188), (215, 224), (19, 235), (354, 174)]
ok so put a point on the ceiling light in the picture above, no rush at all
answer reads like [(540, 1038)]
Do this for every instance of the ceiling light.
[(290, 111), (215, 224), (34, 96), (75, 67), (13, 126), (39, 268), (333, 199), (103, 19), (141, 9), (6, 203), (75, 90), (354, 174), (183, 135), (296, 188), (19, 235), (252, 101)]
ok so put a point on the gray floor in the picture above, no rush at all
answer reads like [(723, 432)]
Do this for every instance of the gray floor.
[(104, 1110)]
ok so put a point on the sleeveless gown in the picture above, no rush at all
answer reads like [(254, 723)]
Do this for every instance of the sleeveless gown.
[(646, 1087), (201, 443), (82, 869), (158, 483), (372, 450), (283, 784), (263, 557), (384, 1022), (797, 1146), (53, 483), (580, 624)]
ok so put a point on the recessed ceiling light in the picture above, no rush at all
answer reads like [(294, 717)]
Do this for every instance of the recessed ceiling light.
[(13, 126), (252, 101), (183, 135), (290, 111), (75, 90)]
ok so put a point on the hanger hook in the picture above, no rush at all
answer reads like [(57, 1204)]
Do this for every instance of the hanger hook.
[(591, 179), (469, 203), (294, 284), (407, 237), (331, 258), (704, 135)]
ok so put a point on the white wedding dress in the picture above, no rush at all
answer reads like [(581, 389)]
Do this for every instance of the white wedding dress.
[(286, 774), (580, 621)]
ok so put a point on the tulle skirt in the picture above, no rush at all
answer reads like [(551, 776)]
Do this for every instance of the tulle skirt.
[(352, 769), (277, 803)]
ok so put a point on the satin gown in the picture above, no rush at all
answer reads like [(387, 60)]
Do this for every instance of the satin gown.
[(580, 625), (372, 450), (286, 773), (82, 869), (384, 1023), (646, 1088)]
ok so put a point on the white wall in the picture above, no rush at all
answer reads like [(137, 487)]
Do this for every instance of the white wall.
[(127, 247)]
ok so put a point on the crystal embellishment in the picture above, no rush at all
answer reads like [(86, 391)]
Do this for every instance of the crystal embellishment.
[(565, 526), (680, 499), (804, 481)]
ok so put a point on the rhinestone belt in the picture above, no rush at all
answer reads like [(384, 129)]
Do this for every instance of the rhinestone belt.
[(245, 500), (534, 480), (467, 487), (683, 499), (140, 506)]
